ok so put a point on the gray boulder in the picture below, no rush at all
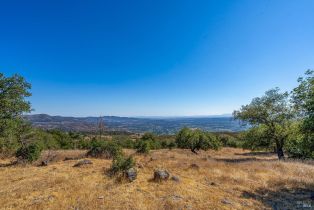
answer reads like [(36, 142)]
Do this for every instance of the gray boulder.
[(175, 178), (44, 163), (161, 175), (131, 174)]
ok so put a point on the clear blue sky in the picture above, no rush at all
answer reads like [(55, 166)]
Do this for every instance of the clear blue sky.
[(154, 58)]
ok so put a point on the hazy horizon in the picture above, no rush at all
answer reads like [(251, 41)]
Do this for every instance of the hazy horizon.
[(138, 116), (154, 58)]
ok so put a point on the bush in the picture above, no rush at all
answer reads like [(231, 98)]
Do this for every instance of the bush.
[(84, 144), (63, 139), (148, 136), (104, 149), (196, 140), (143, 146), (29, 153), (147, 142), (298, 145), (121, 164), (211, 142), (124, 141), (171, 145), (164, 144), (256, 138), (230, 141)]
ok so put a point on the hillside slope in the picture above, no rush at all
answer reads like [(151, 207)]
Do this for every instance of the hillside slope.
[(226, 179)]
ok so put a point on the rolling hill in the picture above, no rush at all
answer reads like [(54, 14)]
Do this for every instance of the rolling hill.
[(135, 125)]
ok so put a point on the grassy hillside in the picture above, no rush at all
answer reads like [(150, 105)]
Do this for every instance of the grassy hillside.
[(226, 179)]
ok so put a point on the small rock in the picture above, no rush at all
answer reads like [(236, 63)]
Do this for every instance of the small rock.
[(131, 174), (188, 206), (101, 197), (44, 163), (153, 158), (160, 175), (226, 201), (213, 183), (82, 163), (194, 166), (176, 197), (175, 178)]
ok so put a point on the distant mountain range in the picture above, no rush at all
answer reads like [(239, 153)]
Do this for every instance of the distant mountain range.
[(159, 125)]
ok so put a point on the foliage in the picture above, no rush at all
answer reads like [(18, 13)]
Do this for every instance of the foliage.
[(196, 140), (147, 142), (148, 136), (106, 149), (30, 152), (121, 164), (228, 140), (256, 138), (171, 145), (124, 141), (143, 146), (63, 139), (296, 146), (13, 91), (303, 101), (273, 113)]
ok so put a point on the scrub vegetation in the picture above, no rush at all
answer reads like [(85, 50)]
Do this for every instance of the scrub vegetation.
[(270, 165)]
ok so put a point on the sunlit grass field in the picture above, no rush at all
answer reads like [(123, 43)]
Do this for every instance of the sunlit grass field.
[(225, 179)]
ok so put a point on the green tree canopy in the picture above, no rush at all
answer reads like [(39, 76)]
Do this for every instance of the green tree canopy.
[(303, 101), (13, 103), (271, 111), (196, 140)]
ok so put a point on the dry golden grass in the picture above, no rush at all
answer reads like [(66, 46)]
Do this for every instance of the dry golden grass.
[(225, 179)]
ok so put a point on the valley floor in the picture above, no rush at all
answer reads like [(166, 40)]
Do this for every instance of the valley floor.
[(225, 179)]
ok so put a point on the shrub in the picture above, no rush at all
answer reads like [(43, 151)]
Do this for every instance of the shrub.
[(230, 141), (124, 141), (104, 149), (64, 140), (148, 136), (164, 144), (152, 141), (256, 138), (196, 140), (297, 144), (171, 145), (45, 139), (143, 146), (147, 142), (121, 164), (29, 153), (84, 144)]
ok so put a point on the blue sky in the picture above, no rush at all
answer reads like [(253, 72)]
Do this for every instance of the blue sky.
[(154, 58)]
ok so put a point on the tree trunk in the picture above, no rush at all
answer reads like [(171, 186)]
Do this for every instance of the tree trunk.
[(280, 153)]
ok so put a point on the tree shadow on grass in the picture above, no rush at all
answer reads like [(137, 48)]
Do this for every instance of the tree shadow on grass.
[(12, 163), (242, 160), (265, 154), (283, 198)]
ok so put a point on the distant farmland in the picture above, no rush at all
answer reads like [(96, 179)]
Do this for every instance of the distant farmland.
[(136, 125)]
